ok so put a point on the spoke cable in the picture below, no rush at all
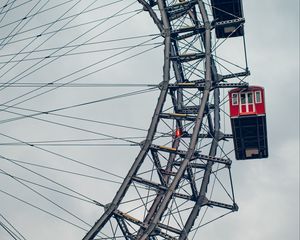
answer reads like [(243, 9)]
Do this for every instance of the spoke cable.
[(50, 180), (55, 6), (13, 235), (11, 4), (78, 78), (13, 227), (42, 210), (65, 157), (46, 198), (77, 53), (65, 171), (33, 40), (39, 67), (38, 113), (12, 7), (24, 18), (65, 28), (83, 44)]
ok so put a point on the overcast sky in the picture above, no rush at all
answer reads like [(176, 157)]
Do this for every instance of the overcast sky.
[(267, 191)]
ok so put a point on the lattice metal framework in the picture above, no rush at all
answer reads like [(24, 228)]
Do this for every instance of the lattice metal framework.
[(167, 186)]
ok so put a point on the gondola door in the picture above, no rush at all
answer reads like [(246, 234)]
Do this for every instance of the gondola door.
[(247, 103)]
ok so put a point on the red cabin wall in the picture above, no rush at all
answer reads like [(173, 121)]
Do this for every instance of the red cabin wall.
[(260, 107), (234, 109)]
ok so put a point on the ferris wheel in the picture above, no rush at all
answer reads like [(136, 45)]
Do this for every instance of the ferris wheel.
[(179, 178)]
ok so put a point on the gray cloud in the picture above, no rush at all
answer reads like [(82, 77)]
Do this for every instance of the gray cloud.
[(267, 190)]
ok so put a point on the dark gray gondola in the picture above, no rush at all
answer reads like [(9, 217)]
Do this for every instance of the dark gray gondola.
[(229, 18)]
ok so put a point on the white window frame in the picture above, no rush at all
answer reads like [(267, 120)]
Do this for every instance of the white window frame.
[(246, 98), (248, 94), (235, 96), (260, 96), (247, 104)]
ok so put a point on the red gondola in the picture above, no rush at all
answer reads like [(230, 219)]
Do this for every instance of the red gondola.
[(248, 121)]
